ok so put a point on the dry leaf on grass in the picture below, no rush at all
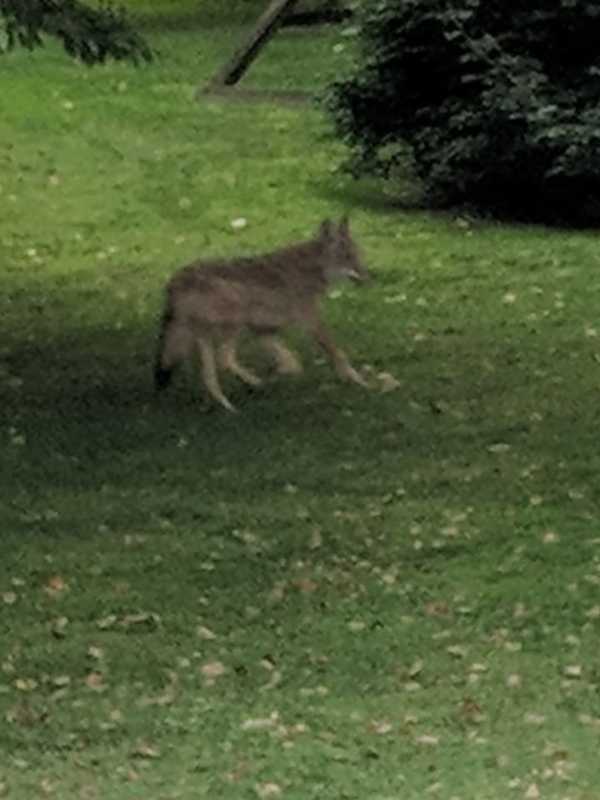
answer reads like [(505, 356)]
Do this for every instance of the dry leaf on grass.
[(268, 789), (145, 750), (213, 670), (58, 627), (26, 684), (261, 723), (428, 740), (205, 633), (380, 727), (95, 681), (55, 586)]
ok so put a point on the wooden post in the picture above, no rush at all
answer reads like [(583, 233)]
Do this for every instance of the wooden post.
[(245, 55)]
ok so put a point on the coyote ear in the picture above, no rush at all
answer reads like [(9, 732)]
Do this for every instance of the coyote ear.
[(326, 229)]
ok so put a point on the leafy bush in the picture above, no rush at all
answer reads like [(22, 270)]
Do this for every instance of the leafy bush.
[(90, 34), (499, 101)]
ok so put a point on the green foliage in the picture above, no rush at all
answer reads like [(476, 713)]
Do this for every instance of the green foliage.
[(89, 34), (498, 99)]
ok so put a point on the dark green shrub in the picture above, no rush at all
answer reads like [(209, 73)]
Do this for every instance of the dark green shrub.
[(499, 101)]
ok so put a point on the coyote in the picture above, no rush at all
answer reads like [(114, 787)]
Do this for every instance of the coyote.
[(209, 303)]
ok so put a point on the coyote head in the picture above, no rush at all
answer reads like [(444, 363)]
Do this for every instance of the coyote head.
[(341, 255)]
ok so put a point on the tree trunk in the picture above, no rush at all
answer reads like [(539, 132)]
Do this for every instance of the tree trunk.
[(245, 55)]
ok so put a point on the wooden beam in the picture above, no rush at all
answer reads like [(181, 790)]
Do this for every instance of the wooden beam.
[(245, 55)]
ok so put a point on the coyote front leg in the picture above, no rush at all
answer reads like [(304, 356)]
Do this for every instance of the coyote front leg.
[(339, 359), (209, 373)]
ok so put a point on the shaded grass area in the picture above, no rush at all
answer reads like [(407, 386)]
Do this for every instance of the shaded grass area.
[(337, 593)]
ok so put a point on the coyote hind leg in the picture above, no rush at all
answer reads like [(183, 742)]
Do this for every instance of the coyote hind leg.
[(210, 375), (175, 344), (286, 362), (228, 359)]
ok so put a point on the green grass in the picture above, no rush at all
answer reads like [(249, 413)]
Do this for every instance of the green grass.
[(335, 594)]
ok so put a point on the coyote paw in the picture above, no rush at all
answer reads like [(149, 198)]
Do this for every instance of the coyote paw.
[(355, 377), (252, 380), (291, 368), (224, 402)]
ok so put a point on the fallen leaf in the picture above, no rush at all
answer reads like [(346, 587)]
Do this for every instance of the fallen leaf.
[(58, 627), (261, 723), (47, 786), (533, 718), (305, 585), (26, 684), (273, 681), (106, 622), (165, 698), (380, 727), (143, 618), (457, 650), (416, 668), (56, 586), (268, 789), (316, 539), (205, 633), (471, 710), (573, 671), (145, 750), (428, 740), (95, 681), (498, 447), (357, 625), (437, 608), (213, 669)]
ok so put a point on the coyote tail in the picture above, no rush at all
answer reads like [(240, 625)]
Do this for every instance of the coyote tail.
[(162, 374)]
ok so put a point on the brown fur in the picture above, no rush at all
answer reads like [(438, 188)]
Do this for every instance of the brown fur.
[(209, 303)]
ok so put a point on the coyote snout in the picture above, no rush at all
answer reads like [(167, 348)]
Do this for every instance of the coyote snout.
[(209, 303)]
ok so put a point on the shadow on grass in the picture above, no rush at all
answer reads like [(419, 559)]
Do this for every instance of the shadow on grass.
[(86, 416), (403, 194)]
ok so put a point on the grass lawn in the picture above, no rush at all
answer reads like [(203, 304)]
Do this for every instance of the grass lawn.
[(336, 594)]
